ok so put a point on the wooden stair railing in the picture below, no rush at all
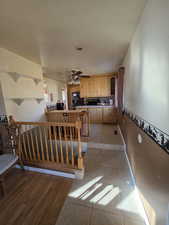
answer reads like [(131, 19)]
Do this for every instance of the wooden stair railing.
[(51, 142), (70, 116)]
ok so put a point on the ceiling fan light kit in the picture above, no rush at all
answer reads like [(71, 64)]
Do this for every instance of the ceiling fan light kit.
[(79, 48)]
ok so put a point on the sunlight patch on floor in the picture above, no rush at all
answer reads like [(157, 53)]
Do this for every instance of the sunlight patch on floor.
[(90, 192), (105, 196), (109, 196), (77, 193), (131, 203), (101, 194)]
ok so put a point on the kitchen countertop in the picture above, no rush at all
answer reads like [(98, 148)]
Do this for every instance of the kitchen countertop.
[(94, 106), (64, 111)]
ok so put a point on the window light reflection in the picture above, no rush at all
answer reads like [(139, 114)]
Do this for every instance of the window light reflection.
[(77, 193)]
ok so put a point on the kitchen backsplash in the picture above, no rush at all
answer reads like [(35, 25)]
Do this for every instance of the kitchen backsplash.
[(99, 100)]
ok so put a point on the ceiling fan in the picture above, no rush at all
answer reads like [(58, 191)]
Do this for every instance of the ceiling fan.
[(77, 74)]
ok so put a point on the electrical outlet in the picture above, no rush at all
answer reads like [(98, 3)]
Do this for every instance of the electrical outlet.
[(139, 139)]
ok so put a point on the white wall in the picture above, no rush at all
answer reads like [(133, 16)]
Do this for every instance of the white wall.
[(25, 87), (146, 89), (54, 87), (12, 62), (2, 103)]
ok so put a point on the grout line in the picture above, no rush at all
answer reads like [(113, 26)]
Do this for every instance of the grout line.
[(134, 180), (91, 215), (109, 147)]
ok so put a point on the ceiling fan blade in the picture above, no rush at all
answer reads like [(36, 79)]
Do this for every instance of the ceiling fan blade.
[(76, 72), (85, 76)]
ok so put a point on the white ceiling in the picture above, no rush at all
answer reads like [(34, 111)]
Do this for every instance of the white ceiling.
[(48, 31)]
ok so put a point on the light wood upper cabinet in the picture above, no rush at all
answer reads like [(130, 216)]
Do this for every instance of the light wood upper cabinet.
[(73, 88), (84, 83), (95, 86)]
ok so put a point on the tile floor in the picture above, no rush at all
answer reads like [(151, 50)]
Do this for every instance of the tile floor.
[(104, 133), (106, 195), (102, 136)]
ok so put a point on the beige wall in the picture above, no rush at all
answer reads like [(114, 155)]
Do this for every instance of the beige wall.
[(150, 165), (146, 91), (25, 87)]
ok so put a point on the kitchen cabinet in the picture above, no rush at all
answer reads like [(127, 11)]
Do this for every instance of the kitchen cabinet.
[(100, 114), (84, 87), (107, 115), (95, 86), (102, 86), (95, 115), (74, 88)]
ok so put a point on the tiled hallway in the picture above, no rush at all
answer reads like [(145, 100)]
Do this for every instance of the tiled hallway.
[(106, 195)]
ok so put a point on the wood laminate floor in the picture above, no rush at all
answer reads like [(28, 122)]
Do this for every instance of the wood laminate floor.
[(32, 198)]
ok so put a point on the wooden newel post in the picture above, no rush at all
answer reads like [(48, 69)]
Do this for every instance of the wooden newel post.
[(11, 120), (15, 133), (80, 158)]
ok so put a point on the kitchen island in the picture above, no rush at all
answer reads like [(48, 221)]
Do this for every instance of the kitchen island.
[(70, 116)]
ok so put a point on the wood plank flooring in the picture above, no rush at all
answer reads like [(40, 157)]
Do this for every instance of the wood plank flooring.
[(32, 198)]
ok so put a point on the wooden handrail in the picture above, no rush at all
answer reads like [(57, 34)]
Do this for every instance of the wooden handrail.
[(69, 116), (76, 124), (50, 142)]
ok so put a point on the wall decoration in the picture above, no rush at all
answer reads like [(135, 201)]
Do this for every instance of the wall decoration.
[(19, 101), (16, 76), (161, 138)]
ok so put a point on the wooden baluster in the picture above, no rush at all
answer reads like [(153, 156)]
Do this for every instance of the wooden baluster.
[(33, 149), (51, 145), (77, 134), (24, 144), (61, 147), (46, 143), (66, 143), (37, 145), (42, 150), (19, 150), (28, 142), (88, 123), (56, 147), (73, 133), (80, 159), (72, 150)]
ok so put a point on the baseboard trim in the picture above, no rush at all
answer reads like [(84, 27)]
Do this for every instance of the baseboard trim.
[(47, 171), (134, 181)]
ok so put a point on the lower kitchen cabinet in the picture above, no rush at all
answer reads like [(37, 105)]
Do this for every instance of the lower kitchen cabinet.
[(101, 115), (107, 115), (96, 115)]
